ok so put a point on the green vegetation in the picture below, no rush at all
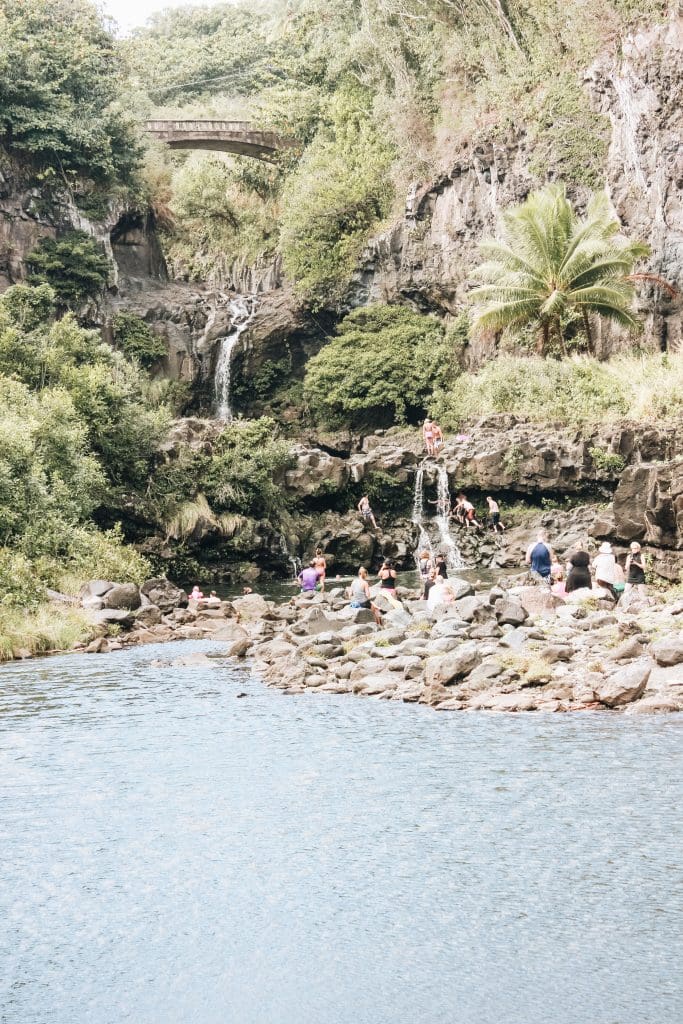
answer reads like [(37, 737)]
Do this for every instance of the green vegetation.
[(606, 461), (137, 339), (575, 390), (381, 368), (551, 263), (62, 95), (73, 265)]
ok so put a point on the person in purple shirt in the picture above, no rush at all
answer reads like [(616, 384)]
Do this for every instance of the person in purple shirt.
[(308, 578)]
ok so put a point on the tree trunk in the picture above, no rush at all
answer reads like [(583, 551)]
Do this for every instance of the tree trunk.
[(588, 330), (560, 336), (544, 339)]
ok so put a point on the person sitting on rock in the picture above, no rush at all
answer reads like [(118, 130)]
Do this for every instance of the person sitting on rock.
[(494, 515), (365, 510), (604, 565), (320, 565), (424, 564), (440, 593), (196, 594), (540, 557), (441, 567), (635, 570), (308, 578), (559, 584), (213, 600), (359, 592), (387, 578), (578, 576)]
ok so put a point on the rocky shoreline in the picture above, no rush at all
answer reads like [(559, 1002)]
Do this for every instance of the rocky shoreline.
[(514, 648)]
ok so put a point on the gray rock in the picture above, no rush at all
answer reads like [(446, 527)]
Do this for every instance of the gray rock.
[(510, 612), (467, 608), (460, 588), (624, 686), (112, 617), (251, 606), (449, 627), (557, 652), (96, 588), (164, 594), (123, 595), (150, 615), (442, 670), (668, 651), (239, 648), (627, 650)]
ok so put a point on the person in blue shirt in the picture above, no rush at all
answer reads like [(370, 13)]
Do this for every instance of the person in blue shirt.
[(540, 557)]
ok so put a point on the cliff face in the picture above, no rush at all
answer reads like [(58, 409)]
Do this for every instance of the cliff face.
[(426, 256)]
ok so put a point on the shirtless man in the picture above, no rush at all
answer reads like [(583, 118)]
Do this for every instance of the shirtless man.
[(365, 510)]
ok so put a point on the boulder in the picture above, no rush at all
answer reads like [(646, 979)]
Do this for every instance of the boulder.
[(96, 588), (537, 601), (668, 651), (510, 612), (239, 648), (654, 705), (251, 606), (449, 627), (164, 594), (467, 608), (122, 617), (630, 648), (557, 652), (446, 668), (380, 682), (150, 615), (123, 595), (460, 588), (624, 686)]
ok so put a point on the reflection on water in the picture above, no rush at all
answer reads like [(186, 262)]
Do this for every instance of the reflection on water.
[(173, 854)]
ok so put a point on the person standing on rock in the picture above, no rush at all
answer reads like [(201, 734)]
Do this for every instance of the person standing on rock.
[(540, 557), (604, 565), (424, 564), (308, 578), (428, 436), (635, 571), (359, 592), (494, 515), (441, 567), (320, 565), (429, 583), (365, 510), (437, 434)]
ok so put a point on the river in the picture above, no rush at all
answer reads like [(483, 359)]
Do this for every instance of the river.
[(174, 854)]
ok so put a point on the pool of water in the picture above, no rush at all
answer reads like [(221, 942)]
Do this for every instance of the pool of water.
[(173, 852)]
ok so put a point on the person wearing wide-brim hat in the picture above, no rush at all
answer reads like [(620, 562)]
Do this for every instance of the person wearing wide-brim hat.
[(605, 565)]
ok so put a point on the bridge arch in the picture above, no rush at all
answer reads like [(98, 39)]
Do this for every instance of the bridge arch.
[(239, 137)]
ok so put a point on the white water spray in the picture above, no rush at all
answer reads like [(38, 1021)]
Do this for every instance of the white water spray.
[(242, 310), (450, 549), (446, 543), (623, 86)]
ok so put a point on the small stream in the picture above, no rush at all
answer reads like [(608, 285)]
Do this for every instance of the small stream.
[(185, 845)]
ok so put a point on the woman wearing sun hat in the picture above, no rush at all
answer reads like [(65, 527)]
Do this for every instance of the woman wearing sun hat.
[(604, 565)]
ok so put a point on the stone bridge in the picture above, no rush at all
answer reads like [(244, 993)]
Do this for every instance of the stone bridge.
[(225, 136)]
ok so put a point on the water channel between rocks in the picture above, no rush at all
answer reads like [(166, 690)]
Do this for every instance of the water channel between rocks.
[(172, 853)]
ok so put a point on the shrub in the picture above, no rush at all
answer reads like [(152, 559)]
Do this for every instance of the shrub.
[(45, 628), (137, 339), (338, 193), (605, 461), (74, 265), (381, 367)]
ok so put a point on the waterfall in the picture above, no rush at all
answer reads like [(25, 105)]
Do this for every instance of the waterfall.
[(450, 549), (242, 310), (292, 559), (446, 544), (423, 543)]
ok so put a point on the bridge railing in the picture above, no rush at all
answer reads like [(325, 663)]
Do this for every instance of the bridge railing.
[(241, 127)]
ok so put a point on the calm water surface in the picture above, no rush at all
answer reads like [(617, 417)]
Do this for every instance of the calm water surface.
[(174, 854)]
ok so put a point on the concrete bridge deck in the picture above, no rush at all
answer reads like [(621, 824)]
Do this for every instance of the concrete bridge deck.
[(238, 137)]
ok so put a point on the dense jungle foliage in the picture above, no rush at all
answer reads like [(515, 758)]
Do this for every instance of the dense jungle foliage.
[(378, 93)]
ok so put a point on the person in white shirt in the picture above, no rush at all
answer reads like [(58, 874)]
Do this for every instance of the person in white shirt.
[(604, 565)]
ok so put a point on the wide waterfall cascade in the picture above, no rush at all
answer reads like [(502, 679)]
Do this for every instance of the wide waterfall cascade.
[(445, 542), (242, 309)]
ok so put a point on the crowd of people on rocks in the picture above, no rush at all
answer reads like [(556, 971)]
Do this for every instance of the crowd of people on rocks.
[(607, 579)]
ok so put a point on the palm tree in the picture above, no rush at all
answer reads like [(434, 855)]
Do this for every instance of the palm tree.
[(550, 262)]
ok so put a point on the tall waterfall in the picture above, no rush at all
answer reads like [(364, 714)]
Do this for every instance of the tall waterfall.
[(445, 542), (423, 543), (242, 310), (450, 549)]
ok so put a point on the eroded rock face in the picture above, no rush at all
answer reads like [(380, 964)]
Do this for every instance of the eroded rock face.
[(648, 507)]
